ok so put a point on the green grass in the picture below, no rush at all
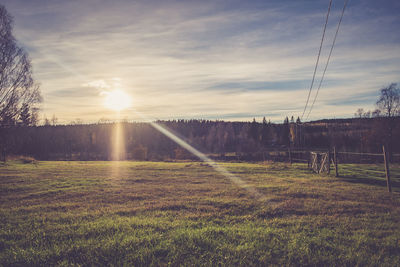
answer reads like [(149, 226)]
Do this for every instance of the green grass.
[(149, 213)]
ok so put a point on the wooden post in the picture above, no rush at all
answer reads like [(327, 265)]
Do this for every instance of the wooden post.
[(335, 162), (290, 156), (385, 157), (329, 162)]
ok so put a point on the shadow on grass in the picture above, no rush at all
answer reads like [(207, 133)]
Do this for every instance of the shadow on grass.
[(371, 181)]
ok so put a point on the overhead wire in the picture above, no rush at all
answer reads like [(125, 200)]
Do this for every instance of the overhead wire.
[(319, 54), (329, 57)]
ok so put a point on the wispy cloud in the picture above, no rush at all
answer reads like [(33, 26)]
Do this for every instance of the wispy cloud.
[(206, 59), (101, 84)]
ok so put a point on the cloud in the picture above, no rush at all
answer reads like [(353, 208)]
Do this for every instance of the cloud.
[(227, 59), (101, 84)]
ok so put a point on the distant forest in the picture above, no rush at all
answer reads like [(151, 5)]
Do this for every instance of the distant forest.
[(218, 138)]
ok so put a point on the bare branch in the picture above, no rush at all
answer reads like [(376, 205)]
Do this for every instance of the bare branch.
[(389, 100), (18, 91)]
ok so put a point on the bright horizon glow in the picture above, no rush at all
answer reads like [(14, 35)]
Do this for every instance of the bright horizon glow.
[(117, 100)]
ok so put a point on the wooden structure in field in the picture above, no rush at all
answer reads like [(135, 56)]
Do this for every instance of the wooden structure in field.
[(320, 162)]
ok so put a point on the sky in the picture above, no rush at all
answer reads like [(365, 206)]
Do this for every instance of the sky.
[(225, 60)]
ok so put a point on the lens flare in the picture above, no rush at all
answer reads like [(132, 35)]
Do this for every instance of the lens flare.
[(118, 151), (217, 167)]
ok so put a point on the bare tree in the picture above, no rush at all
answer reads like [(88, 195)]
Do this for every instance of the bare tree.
[(389, 101), (359, 113), (376, 113), (54, 120), (18, 91), (46, 121), (367, 114), (389, 105)]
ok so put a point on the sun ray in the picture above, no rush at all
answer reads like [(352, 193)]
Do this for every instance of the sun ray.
[(217, 167)]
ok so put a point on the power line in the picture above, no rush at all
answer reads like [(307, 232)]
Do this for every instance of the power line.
[(319, 54), (329, 57)]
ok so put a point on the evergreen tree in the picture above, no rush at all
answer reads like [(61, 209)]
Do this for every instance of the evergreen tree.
[(265, 132), (254, 130), (286, 120), (285, 132)]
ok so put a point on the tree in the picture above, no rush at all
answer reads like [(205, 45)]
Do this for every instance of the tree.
[(54, 120), (77, 121), (286, 120), (285, 138), (253, 131), (46, 121), (18, 91), (25, 116), (265, 132), (264, 122), (376, 113), (359, 113), (389, 100), (389, 105)]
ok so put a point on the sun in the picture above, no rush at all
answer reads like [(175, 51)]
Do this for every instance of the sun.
[(117, 100)]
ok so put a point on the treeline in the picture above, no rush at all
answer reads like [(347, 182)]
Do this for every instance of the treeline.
[(143, 142)]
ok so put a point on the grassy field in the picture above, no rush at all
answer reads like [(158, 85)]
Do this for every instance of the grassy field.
[(149, 213)]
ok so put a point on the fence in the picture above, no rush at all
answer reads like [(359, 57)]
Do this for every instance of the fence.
[(383, 167), (374, 167), (370, 167), (286, 155)]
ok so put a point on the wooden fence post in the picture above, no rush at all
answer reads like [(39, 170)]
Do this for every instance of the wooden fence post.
[(290, 156), (335, 162), (385, 157), (329, 162)]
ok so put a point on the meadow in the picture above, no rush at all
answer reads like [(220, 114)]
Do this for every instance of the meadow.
[(57, 213)]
